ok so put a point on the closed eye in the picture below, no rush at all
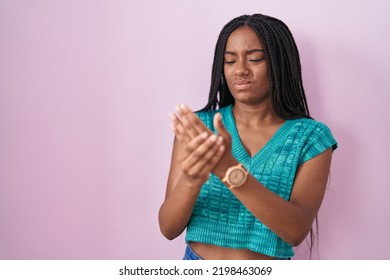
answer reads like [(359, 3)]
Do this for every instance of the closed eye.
[(256, 60)]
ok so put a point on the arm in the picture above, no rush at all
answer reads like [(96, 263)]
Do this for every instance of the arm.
[(290, 220), (191, 163)]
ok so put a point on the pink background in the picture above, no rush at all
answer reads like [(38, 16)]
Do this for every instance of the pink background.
[(85, 139)]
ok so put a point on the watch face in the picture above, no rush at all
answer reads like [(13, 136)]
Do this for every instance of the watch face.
[(237, 177)]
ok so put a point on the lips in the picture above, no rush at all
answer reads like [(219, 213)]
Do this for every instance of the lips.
[(242, 84)]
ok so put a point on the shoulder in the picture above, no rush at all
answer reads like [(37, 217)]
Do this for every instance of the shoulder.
[(309, 128), (313, 136), (308, 124)]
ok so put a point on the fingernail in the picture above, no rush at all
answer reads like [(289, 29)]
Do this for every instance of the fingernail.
[(213, 137), (182, 106), (172, 116), (203, 134)]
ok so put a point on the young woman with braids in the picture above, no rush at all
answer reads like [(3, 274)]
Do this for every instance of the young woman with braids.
[(248, 171)]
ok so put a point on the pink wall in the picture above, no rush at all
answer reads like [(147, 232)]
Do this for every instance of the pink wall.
[(85, 91)]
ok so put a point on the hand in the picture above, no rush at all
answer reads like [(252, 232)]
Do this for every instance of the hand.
[(227, 138), (200, 156), (202, 149), (227, 158), (186, 124)]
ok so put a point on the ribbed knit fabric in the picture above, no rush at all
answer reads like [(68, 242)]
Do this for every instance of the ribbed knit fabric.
[(219, 218)]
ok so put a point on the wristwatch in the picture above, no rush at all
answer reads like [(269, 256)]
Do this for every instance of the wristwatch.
[(235, 176)]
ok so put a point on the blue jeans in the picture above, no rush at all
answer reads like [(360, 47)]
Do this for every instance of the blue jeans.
[(190, 254)]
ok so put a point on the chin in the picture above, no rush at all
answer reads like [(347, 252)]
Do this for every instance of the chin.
[(251, 98)]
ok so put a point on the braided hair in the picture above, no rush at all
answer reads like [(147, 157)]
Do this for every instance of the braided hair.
[(284, 68)]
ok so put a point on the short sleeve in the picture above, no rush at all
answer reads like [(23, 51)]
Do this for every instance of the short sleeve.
[(320, 140)]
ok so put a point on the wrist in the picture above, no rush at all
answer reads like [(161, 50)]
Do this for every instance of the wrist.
[(222, 167), (191, 182), (236, 176)]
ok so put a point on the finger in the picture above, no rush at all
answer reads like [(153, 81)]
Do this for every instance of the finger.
[(180, 136), (196, 149), (185, 122), (192, 145), (214, 159), (192, 120), (218, 124), (198, 153), (178, 129)]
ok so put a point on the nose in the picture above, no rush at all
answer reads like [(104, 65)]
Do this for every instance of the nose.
[(241, 70)]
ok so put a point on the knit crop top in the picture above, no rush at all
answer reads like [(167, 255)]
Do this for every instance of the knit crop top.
[(219, 218)]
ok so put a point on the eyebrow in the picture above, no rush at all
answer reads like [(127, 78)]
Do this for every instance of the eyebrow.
[(248, 52)]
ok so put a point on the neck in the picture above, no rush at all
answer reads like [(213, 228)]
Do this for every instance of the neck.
[(255, 115)]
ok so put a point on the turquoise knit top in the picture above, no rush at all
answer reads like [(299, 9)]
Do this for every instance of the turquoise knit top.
[(219, 218)]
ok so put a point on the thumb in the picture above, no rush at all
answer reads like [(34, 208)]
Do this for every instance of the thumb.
[(218, 124)]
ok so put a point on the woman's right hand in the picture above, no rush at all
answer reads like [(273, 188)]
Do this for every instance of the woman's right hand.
[(202, 149), (200, 156)]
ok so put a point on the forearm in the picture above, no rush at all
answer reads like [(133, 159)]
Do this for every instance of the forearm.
[(290, 219), (177, 208), (286, 219)]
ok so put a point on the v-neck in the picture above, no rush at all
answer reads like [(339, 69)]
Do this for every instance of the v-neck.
[(240, 152)]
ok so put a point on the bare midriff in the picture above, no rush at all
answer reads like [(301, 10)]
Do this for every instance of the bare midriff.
[(212, 252)]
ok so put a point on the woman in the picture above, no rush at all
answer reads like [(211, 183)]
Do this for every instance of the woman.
[(249, 171)]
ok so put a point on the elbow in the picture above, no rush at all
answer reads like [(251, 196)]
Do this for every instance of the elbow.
[(295, 241), (295, 238), (168, 230), (295, 233), (167, 233)]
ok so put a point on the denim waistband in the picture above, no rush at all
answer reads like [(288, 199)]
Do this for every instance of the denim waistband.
[(190, 254)]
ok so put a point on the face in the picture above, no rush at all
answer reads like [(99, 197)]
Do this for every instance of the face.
[(245, 67)]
